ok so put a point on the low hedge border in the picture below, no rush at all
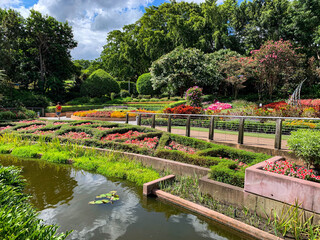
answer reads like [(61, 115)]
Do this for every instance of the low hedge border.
[(219, 158)]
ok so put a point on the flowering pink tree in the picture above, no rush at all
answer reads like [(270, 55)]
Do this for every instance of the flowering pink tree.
[(193, 96), (276, 61)]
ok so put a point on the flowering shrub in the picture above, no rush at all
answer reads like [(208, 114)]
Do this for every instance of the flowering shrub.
[(83, 113), (184, 109), (127, 135), (218, 106), (44, 132), (146, 142), (300, 123), (31, 121), (32, 127), (193, 96), (276, 105), (102, 114), (83, 124), (176, 146), (4, 128), (76, 135), (291, 169)]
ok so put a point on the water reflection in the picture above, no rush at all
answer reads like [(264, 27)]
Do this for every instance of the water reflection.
[(63, 194), (49, 184)]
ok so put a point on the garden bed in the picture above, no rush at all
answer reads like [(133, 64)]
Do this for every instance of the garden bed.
[(282, 188), (102, 119)]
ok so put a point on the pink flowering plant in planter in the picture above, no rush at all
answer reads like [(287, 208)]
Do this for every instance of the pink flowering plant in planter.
[(31, 121), (193, 96), (38, 132), (119, 136), (288, 168), (103, 128), (59, 123), (176, 146), (150, 143), (83, 124), (5, 127), (76, 135), (218, 106)]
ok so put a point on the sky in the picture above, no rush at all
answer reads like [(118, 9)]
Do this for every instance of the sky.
[(91, 20)]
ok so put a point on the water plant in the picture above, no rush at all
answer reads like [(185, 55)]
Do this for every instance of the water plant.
[(109, 197)]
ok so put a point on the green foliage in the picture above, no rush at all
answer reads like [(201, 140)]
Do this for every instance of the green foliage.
[(124, 94), (305, 143), (26, 151), (144, 85), (99, 83), (183, 68), (125, 86)]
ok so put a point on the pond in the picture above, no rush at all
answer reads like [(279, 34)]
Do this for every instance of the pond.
[(61, 194)]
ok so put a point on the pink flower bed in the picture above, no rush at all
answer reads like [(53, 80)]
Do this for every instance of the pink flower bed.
[(218, 106), (59, 123), (290, 169), (44, 132), (4, 128), (103, 128), (176, 146), (146, 142), (76, 135), (83, 124), (31, 127), (127, 135)]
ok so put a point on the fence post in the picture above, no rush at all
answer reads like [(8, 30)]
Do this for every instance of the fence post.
[(153, 123), (169, 124), (278, 135), (211, 128), (127, 118), (241, 131), (139, 119), (188, 126)]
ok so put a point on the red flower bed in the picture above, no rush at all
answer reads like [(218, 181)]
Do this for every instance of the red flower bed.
[(102, 114), (146, 142), (127, 135), (76, 135), (32, 127), (83, 124), (276, 105), (290, 169), (176, 146), (4, 128), (44, 132), (184, 109)]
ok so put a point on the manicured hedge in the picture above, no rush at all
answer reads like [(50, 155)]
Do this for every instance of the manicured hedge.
[(222, 160)]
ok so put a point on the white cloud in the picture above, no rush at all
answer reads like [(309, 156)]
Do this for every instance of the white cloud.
[(91, 20)]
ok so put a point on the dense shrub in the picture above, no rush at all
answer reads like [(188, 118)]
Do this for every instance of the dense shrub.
[(124, 94), (17, 114), (144, 85), (184, 109), (99, 83), (24, 98), (306, 145), (193, 96)]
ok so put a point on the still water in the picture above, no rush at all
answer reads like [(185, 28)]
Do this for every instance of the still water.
[(61, 194)]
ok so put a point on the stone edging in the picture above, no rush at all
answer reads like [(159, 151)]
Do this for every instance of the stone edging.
[(216, 216)]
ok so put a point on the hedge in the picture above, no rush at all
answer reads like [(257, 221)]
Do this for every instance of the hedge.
[(221, 159)]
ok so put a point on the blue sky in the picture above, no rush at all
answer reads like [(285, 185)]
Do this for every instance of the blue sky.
[(91, 20)]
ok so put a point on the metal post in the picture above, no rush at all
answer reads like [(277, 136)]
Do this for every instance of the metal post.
[(188, 126), (169, 124), (241, 131), (211, 128), (278, 135), (139, 120), (153, 123), (127, 118)]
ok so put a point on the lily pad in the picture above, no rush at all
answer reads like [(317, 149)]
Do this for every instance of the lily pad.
[(110, 197)]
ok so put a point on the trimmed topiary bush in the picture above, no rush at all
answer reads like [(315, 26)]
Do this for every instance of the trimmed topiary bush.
[(305, 143), (144, 85), (99, 83)]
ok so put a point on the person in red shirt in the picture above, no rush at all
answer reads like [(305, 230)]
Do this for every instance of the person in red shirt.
[(58, 110)]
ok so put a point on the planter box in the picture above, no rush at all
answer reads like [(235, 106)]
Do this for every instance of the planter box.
[(282, 188), (102, 119)]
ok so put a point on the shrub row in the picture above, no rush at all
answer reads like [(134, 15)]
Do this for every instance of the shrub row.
[(223, 160)]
